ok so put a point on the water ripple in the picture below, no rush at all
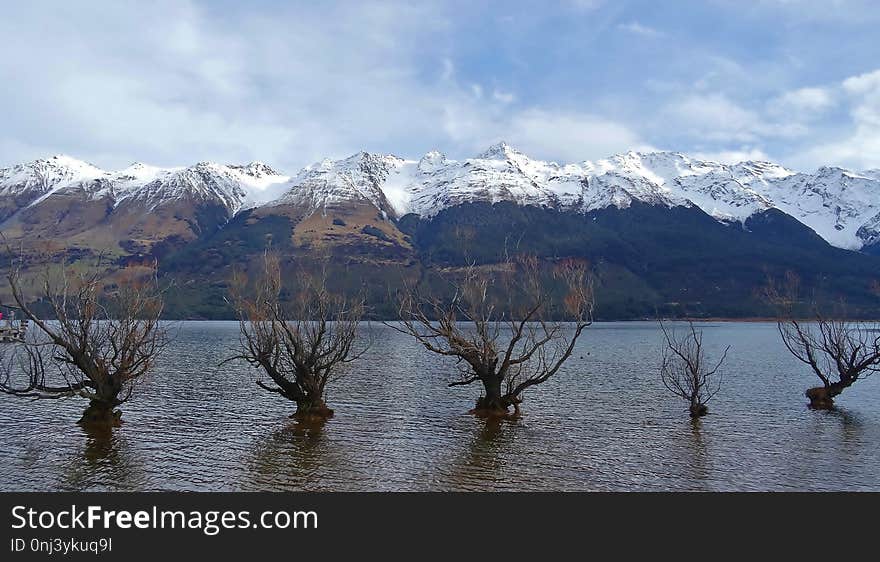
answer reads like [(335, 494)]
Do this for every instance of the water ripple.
[(604, 423)]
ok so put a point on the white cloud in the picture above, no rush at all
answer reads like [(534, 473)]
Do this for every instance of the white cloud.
[(844, 11), (639, 29), (174, 82), (734, 156), (171, 83), (859, 145), (503, 97), (448, 69), (803, 103), (865, 92), (719, 73), (584, 5), (570, 136), (715, 117), (863, 83), (561, 135)]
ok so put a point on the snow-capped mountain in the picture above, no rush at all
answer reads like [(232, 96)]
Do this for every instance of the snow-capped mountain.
[(232, 186), (42, 176), (841, 206), (362, 177), (667, 231), (23, 184), (139, 209)]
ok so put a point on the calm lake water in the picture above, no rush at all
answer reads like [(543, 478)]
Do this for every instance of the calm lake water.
[(605, 422)]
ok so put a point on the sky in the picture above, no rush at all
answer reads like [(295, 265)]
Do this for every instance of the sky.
[(174, 82)]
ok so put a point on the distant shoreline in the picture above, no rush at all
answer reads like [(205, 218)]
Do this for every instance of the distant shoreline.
[(749, 320)]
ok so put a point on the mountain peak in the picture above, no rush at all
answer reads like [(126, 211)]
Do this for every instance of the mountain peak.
[(358, 159), (499, 151), (139, 168), (357, 156), (256, 169), (61, 157), (431, 161), (65, 160), (825, 171), (57, 169)]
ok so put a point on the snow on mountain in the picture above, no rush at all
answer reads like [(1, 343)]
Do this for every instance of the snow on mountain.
[(841, 206), (502, 173), (425, 186), (138, 174), (43, 176), (261, 182), (360, 177), (233, 186)]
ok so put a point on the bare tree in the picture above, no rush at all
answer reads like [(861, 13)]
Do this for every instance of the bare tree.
[(299, 344), (104, 338), (506, 343), (837, 350), (686, 372)]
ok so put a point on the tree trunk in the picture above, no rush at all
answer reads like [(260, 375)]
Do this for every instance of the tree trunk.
[(492, 403), (698, 410), (312, 409), (101, 413), (822, 397)]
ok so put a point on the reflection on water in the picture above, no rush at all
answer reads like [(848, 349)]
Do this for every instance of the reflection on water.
[(696, 448), (604, 423), (104, 456), (482, 458), (291, 457), (491, 436)]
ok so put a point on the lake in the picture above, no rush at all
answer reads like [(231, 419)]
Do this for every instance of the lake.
[(605, 422)]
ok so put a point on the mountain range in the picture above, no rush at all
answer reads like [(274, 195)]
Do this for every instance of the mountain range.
[(378, 215)]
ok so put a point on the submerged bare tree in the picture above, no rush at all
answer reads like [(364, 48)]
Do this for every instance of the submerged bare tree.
[(685, 370), (837, 350), (301, 343), (105, 338), (496, 325)]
